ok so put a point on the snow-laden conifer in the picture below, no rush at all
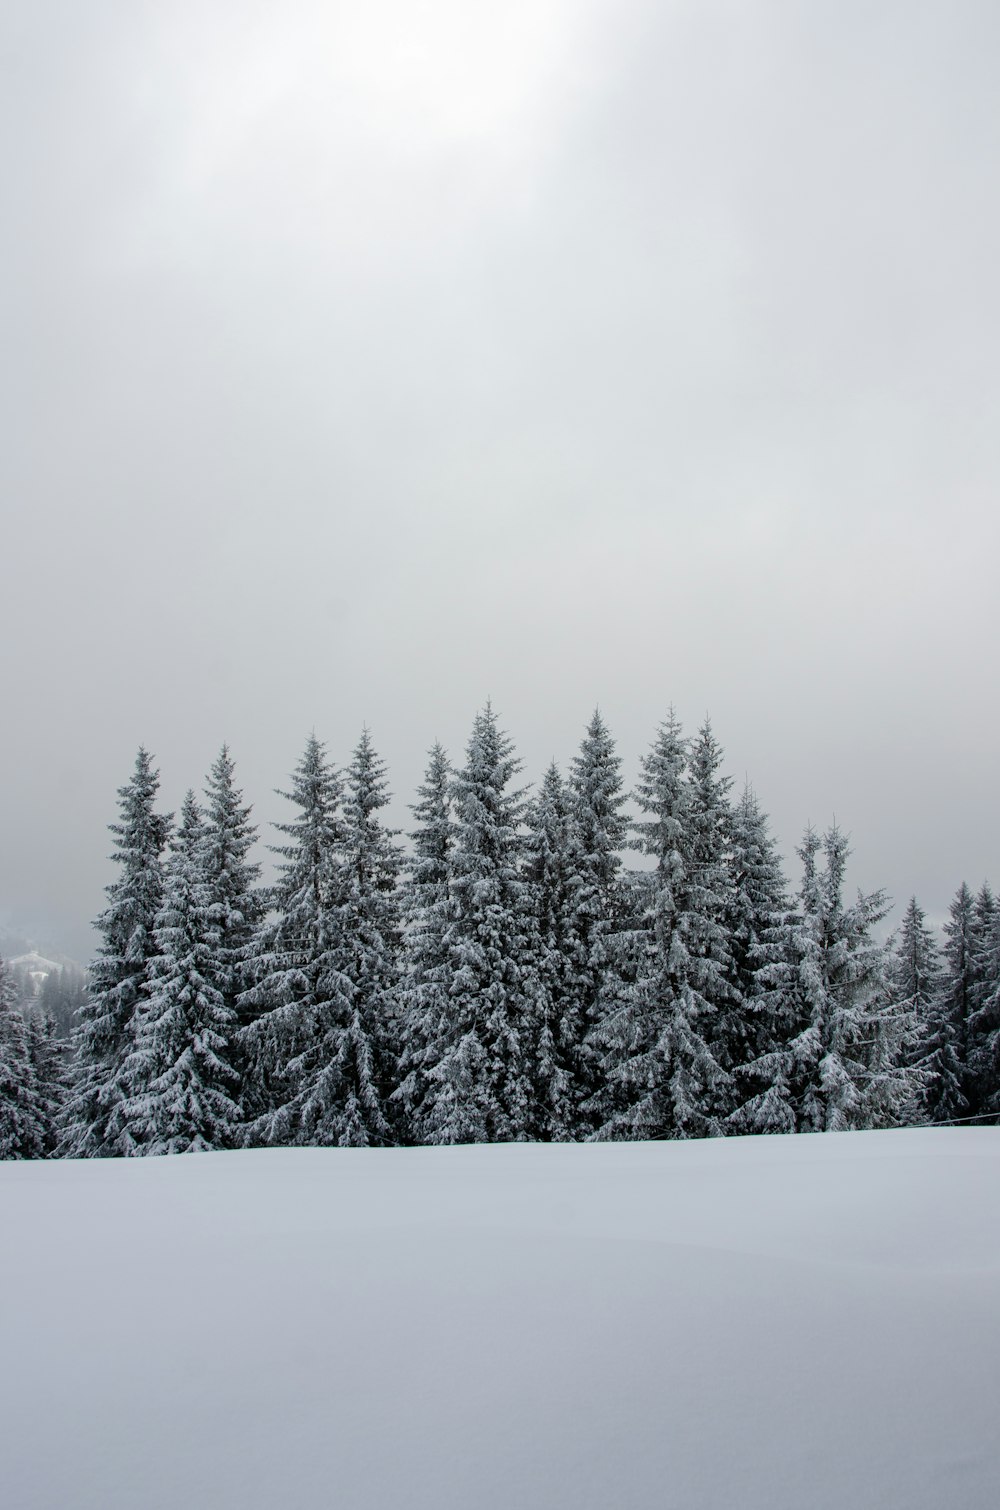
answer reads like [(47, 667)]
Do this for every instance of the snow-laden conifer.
[(915, 981), (950, 1092), (47, 1054), (237, 904), (346, 1101), (847, 1062), (481, 1085), (664, 1079), (106, 1032), (597, 833), (711, 902), (759, 915), (425, 904), (179, 1081), (551, 946), (299, 1003), (22, 1133), (984, 1013)]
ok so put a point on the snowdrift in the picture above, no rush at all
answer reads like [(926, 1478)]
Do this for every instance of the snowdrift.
[(749, 1324)]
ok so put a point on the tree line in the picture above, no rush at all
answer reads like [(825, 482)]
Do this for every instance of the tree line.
[(58, 995), (508, 978)]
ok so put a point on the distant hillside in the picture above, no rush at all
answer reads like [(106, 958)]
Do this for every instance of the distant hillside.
[(55, 987)]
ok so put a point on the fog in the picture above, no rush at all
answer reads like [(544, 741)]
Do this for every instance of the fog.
[(364, 361)]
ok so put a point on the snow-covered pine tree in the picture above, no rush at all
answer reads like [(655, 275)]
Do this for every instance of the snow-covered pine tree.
[(105, 1032), (481, 1084), (759, 918), (238, 904), (984, 1018), (914, 990), (711, 901), (846, 1064), (426, 913), (663, 1078), (299, 1002), (21, 1126), (552, 953), (949, 1096), (598, 832), (47, 1053), (984, 922), (180, 1085), (347, 1100)]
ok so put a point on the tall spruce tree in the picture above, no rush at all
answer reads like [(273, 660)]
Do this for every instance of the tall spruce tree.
[(711, 902), (180, 1085), (349, 1100), (236, 902), (47, 1054), (984, 1014), (952, 1095), (22, 1133), (551, 953), (481, 1088), (300, 1001), (759, 917), (598, 831), (426, 914), (846, 1062), (106, 1032), (664, 1079), (915, 987)]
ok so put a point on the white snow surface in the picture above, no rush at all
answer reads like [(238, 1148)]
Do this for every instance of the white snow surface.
[(748, 1324)]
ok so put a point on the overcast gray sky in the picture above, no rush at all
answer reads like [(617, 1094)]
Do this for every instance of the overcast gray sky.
[(363, 360)]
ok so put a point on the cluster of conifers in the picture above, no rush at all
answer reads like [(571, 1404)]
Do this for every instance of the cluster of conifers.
[(508, 977)]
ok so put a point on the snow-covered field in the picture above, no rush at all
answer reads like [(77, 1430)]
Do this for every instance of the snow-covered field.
[(750, 1324)]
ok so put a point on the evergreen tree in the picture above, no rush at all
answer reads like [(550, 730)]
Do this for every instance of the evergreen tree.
[(915, 987), (105, 1035), (47, 1056), (179, 1082), (711, 904), (300, 1001), (759, 918), (845, 1065), (664, 1078), (237, 904), (347, 1104), (21, 1129), (482, 1088), (426, 911), (597, 833), (551, 952), (950, 1095), (983, 954), (984, 1005)]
